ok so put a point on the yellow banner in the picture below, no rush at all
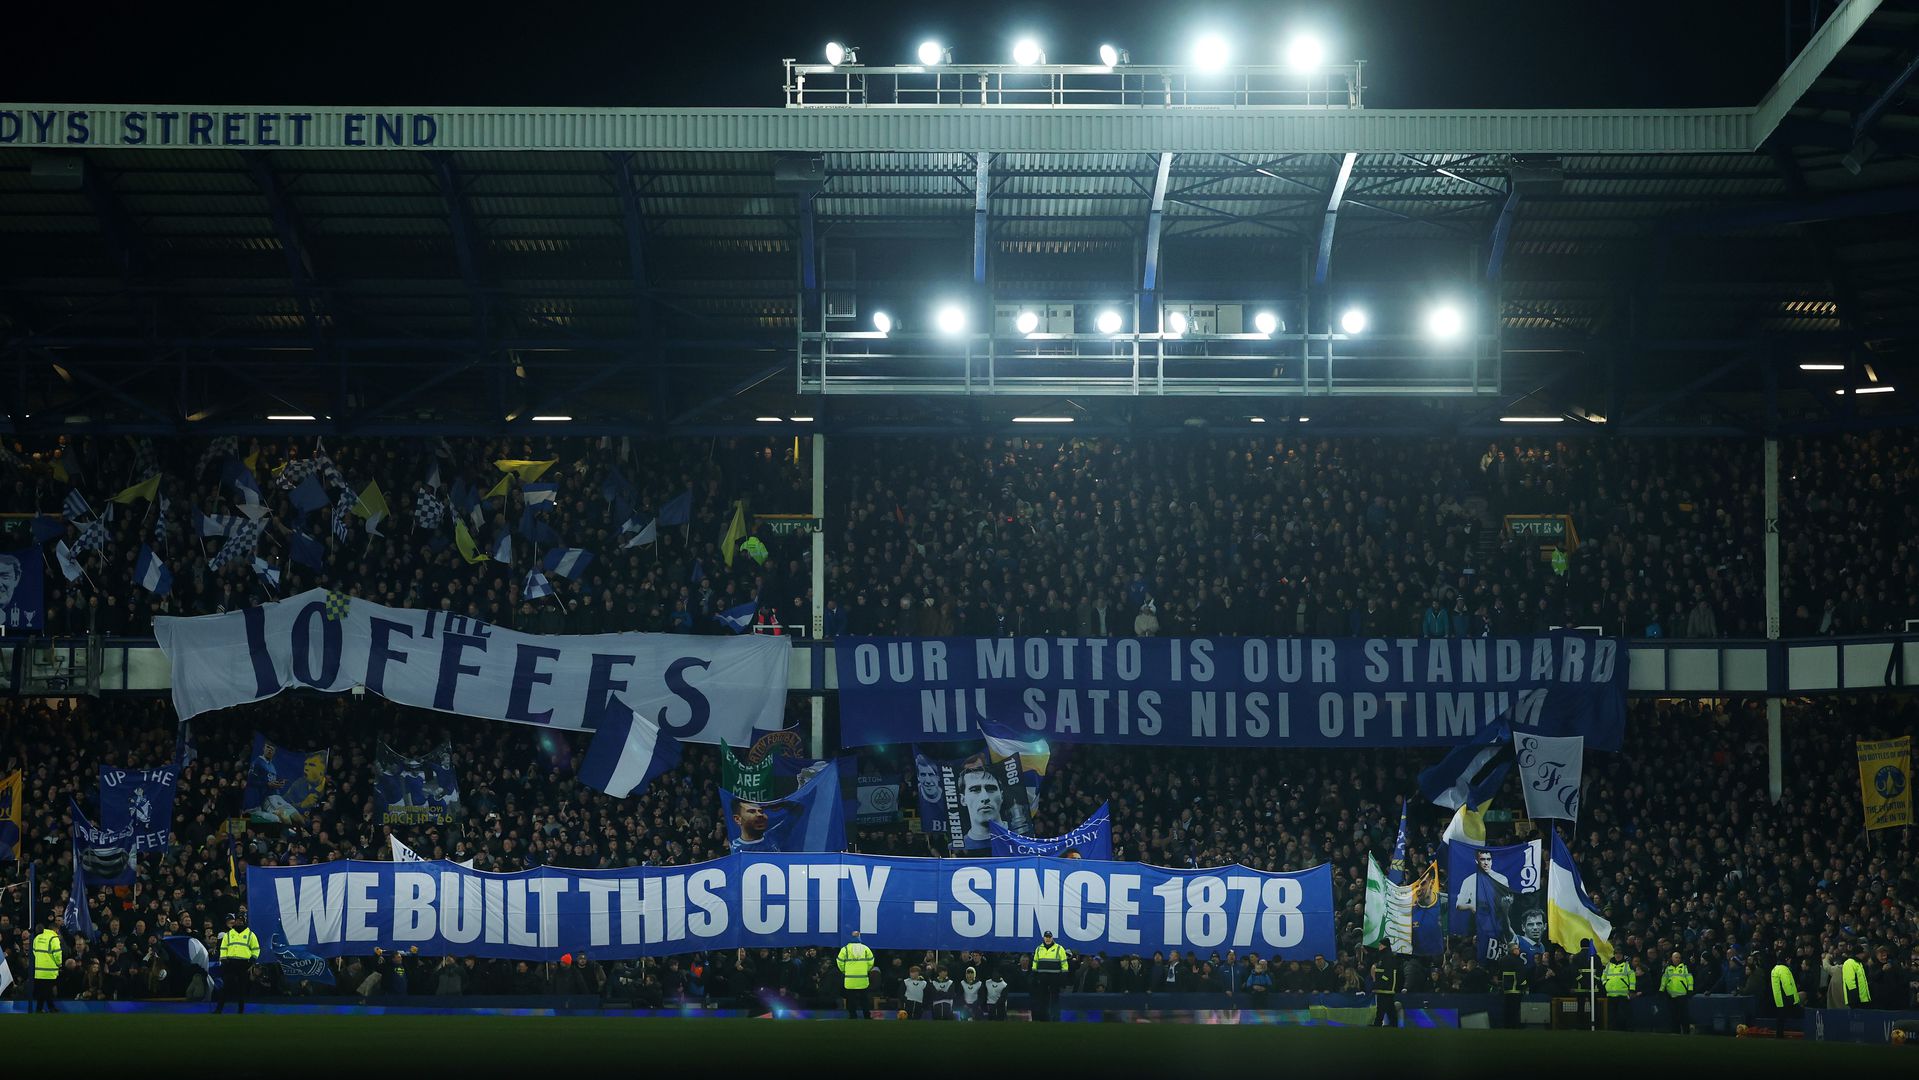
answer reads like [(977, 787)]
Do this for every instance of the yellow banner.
[(1885, 782)]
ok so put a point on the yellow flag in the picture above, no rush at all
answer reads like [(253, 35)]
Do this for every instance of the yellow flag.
[(59, 471), (1885, 782), (372, 503), (253, 463), (145, 489), (499, 489), (527, 471), (464, 541), (735, 532)]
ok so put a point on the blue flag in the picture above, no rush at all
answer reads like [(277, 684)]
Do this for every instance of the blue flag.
[(76, 918), (139, 802), (739, 619), (151, 574), (188, 949), (298, 965), (283, 783), (308, 552), (1091, 839), (535, 530), (1429, 927), (813, 818), (101, 857), (536, 586), (678, 510), (46, 528), (1498, 896), (1471, 772), (310, 495), (418, 791), (569, 563), (22, 590), (627, 752)]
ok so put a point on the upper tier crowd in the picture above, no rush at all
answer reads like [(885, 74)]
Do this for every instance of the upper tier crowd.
[(1679, 842), (1052, 536)]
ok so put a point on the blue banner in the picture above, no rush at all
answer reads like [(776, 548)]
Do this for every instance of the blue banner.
[(139, 802), (1091, 839), (282, 783), (103, 857), (297, 965), (813, 818), (963, 798), (1498, 896), (1273, 692), (22, 590), (418, 791), (350, 908)]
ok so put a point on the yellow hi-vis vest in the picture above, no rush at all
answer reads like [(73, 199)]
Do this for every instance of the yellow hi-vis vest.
[(1677, 980), (1784, 989), (239, 945), (1050, 958), (47, 954), (1619, 979), (856, 963), (1853, 976)]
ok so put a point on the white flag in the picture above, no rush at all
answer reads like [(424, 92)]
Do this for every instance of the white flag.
[(1549, 773), (6, 974), (69, 565), (1389, 911), (402, 853)]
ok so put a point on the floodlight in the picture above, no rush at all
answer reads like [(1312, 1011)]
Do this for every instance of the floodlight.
[(932, 53), (1445, 322), (1266, 322), (1176, 323), (951, 319), (1305, 53), (1211, 52), (1353, 321), (1112, 57), (1026, 53), (1108, 321), (837, 54), (1027, 322), (882, 322)]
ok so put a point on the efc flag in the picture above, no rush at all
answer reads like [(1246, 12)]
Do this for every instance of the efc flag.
[(748, 780), (102, 857), (421, 790), (297, 965), (22, 590), (813, 818), (139, 802), (1549, 772), (350, 908), (963, 797), (283, 784), (698, 689), (1092, 839), (13, 796), (1267, 692), (1885, 782), (1499, 898)]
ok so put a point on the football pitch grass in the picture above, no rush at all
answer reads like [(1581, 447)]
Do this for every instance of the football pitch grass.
[(549, 1047)]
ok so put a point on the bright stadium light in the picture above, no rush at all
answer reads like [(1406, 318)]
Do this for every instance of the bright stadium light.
[(1176, 323), (1532, 419), (1822, 367), (1353, 321), (837, 54), (1211, 52), (1042, 419), (1256, 419), (1873, 390), (1107, 321), (1266, 322), (801, 419), (767, 419), (1027, 53), (1445, 322), (1112, 57), (288, 416), (932, 53), (1026, 322), (1305, 53), (882, 322), (551, 419), (951, 320)]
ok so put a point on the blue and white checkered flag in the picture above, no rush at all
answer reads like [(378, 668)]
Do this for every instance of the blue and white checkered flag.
[(536, 586), (93, 537), (343, 514), (240, 545), (76, 505), (429, 510)]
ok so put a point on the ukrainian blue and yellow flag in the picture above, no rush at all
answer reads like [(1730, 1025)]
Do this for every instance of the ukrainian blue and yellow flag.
[(13, 794), (1885, 782), (1570, 915)]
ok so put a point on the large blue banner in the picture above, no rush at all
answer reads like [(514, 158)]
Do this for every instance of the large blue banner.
[(140, 802), (283, 783), (350, 908), (1498, 896), (813, 818), (1280, 692), (418, 791), (105, 857)]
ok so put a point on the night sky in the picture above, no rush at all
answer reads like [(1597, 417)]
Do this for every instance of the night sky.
[(1420, 53)]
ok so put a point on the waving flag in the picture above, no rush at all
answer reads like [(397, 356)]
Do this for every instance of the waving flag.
[(76, 505), (1091, 839), (402, 853), (536, 586), (343, 515), (213, 526), (152, 574), (46, 528), (627, 752), (678, 510), (463, 540), (372, 502), (222, 446), (13, 798), (540, 494), (503, 549), (1569, 911), (309, 496), (738, 619), (308, 552), (735, 532), (648, 534), (429, 510), (1549, 773), (813, 818), (145, 489), (1472, 771), (267, 572), (69, 565), (527, 471), (569, 563), (1389, 911), (188, 948), (240, 545), (93, 536)]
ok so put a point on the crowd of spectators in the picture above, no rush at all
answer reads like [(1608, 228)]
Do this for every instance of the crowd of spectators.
[(1046, 536), (1679, 841)]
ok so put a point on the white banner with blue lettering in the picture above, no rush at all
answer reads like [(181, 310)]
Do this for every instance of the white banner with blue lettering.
[(1280, 692), (698, 689), (350, 908)]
